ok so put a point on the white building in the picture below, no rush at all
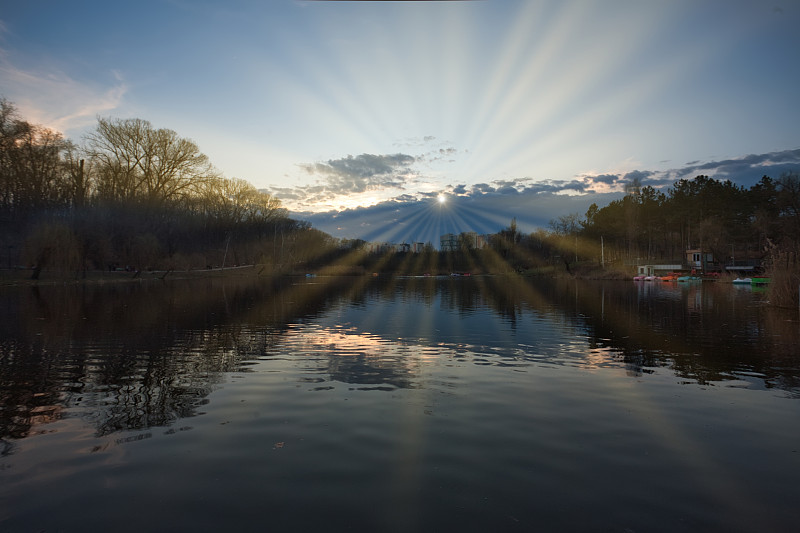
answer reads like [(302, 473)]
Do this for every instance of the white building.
[(450, 242)]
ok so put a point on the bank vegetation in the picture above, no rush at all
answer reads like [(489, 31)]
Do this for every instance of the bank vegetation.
[(134, 198)]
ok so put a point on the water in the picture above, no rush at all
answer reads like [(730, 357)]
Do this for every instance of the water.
[(416, 404)]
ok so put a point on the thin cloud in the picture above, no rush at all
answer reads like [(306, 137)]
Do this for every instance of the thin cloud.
[(416, 142), (69, 104)]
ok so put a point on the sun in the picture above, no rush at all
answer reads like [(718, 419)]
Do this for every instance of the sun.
[(442, 198)]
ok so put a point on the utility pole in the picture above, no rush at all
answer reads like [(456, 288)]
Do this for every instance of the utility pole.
[(602, 253), (224, 257)]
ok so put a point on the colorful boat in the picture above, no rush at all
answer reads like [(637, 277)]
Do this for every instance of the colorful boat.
[(759, 281)]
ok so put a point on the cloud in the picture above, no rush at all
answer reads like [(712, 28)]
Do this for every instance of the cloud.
[(416, 142), (746, 169), (54, 99), (528, 186), (350, 180), (370, 178), (410, 219), (483, 188), (487, 207), (362, 166), (743, 171), (444, 152), (607, 179), (362, 173)]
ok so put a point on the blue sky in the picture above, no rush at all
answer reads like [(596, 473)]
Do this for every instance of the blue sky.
[(347, 111)]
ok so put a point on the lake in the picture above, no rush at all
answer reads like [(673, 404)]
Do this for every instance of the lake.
[(398, 404)]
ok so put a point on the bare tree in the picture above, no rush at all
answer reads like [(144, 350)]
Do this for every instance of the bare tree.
[(31, 169), (135, 161)]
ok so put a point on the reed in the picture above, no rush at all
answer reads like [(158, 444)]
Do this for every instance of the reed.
[(783, 269)]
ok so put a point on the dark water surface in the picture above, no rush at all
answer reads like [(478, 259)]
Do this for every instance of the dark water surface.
[(416, 404)]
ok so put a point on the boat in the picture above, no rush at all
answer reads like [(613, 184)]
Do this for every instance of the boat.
[(672, 276), (684, 279), (638, 278), (759, 281), (742, 281)]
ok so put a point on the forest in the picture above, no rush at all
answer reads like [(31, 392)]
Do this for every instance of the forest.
[(734, 224), (132, 197)]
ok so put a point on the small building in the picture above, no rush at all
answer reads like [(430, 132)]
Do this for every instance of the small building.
[(657, 270), (696, 260)]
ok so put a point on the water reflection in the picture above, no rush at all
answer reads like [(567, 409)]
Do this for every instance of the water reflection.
[(704, 332), (141, 355), (131, 356)]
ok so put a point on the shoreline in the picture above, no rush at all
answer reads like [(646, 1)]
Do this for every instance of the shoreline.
[(23, 276)]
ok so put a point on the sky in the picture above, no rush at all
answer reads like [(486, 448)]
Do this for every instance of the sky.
[(361, 115)]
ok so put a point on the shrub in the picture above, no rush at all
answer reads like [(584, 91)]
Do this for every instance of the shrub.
[(53, 246), (783, 268)]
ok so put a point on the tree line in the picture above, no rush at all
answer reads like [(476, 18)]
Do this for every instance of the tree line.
[(733, 223), (132, 195), (756, 227)]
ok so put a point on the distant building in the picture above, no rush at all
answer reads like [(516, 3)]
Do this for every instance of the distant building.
[(389, 247), (448, 242), (380, 247)]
